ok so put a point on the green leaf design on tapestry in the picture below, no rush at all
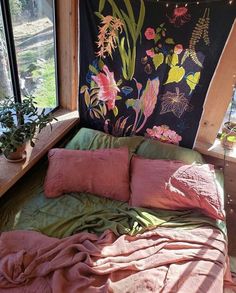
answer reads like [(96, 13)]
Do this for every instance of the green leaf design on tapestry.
[(93, 69), (101, 5), (192, 80), (115, 111), (172, 60), (100, 64), (157, 38), (131, 29), (118, 98), (130, 102), (86, 98), (158, 59), (175, 74), (83, 89), (170, 41)]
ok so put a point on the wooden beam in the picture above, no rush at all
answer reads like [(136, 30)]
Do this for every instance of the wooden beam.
[(219, 93), (67, 47)]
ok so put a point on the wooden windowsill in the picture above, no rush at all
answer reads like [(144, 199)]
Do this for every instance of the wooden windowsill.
[(216, 150), (11, 172)]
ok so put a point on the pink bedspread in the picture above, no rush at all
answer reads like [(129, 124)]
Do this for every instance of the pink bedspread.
[(160, 260)]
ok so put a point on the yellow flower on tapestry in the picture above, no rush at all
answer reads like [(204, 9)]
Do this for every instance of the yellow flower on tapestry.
[(174, 102)]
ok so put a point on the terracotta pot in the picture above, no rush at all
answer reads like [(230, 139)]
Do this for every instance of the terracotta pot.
[(17, 156), (228, 138)]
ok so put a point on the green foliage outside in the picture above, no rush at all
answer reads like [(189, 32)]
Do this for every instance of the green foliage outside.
[(45, 93), (16, 7)]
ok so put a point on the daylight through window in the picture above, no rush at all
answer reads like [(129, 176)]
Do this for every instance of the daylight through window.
[(27, 51)]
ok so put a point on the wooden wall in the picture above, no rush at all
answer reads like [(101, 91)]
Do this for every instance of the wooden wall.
[(219, 93), (67, 47)]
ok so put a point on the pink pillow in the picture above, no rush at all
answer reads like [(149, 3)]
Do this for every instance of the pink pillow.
[(174, 185), (103, 172)]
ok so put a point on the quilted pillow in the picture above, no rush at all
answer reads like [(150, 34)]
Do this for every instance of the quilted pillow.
[(173, 185), (102, 172)]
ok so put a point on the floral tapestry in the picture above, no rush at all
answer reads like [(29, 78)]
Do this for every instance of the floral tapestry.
[(145, 68)]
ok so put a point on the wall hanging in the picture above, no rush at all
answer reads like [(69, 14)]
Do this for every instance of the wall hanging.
[(145, 65)]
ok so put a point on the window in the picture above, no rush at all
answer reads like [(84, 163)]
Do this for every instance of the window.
[(27, 51), (230, 114)]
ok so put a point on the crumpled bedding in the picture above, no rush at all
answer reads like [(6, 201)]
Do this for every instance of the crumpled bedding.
[(160, 260)]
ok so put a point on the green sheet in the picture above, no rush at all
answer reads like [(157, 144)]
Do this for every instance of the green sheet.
[(73, 213)]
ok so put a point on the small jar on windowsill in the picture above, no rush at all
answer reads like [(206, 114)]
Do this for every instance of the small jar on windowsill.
[(228, 136)]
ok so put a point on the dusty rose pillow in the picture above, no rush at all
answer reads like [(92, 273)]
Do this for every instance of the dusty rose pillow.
[(103, 172), (174, 185)]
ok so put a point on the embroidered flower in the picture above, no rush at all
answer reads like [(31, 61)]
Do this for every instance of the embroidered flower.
[(149, 97), (164, 134), (178, 49), (107, 87), (150, 33), (150, 53)]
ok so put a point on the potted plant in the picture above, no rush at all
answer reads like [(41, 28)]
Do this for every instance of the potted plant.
[(228, 136), (19, 123)]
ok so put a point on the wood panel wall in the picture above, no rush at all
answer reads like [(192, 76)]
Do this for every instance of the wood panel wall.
[(67, 48)]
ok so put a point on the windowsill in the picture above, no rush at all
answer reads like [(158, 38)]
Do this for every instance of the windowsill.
[(216, 150), (11, 172)]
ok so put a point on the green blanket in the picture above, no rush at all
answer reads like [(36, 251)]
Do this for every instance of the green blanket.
[(28, 209), (73, 213)]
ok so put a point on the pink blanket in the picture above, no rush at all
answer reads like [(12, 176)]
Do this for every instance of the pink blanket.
[(160, 260)]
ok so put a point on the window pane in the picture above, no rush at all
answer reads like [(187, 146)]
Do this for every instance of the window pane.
[(33, 27), (5, 77), (230, 114)]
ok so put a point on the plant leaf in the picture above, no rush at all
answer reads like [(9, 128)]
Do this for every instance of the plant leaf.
[(115, 111), (175, 74), (83, 89), (157, 38), (192, 80), (87, 98), (173, 60), (169, 41), (93, 69), (141, 19), (158, 59), (130, 103), (101, 5)]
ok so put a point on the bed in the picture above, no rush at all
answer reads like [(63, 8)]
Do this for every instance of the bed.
[(82, 242)]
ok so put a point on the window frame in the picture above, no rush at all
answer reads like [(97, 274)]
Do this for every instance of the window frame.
[(11, 49)]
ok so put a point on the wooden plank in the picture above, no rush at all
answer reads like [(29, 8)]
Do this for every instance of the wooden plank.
[(219, 93), (11, 172), (67, 46), (216, 150)]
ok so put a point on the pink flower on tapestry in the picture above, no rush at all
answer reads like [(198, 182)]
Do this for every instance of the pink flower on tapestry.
[(150, 33), (150, 53), (107, 87), (178, 49), (164, 134), (156, 132), (148, 99)]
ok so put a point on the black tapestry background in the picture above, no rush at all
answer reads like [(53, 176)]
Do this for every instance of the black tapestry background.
[(145, 68)]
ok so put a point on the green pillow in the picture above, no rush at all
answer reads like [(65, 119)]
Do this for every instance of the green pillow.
[(154, 149), (90, 139)]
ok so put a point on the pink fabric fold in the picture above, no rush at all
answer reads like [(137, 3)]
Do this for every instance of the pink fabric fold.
[(163, 259)]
